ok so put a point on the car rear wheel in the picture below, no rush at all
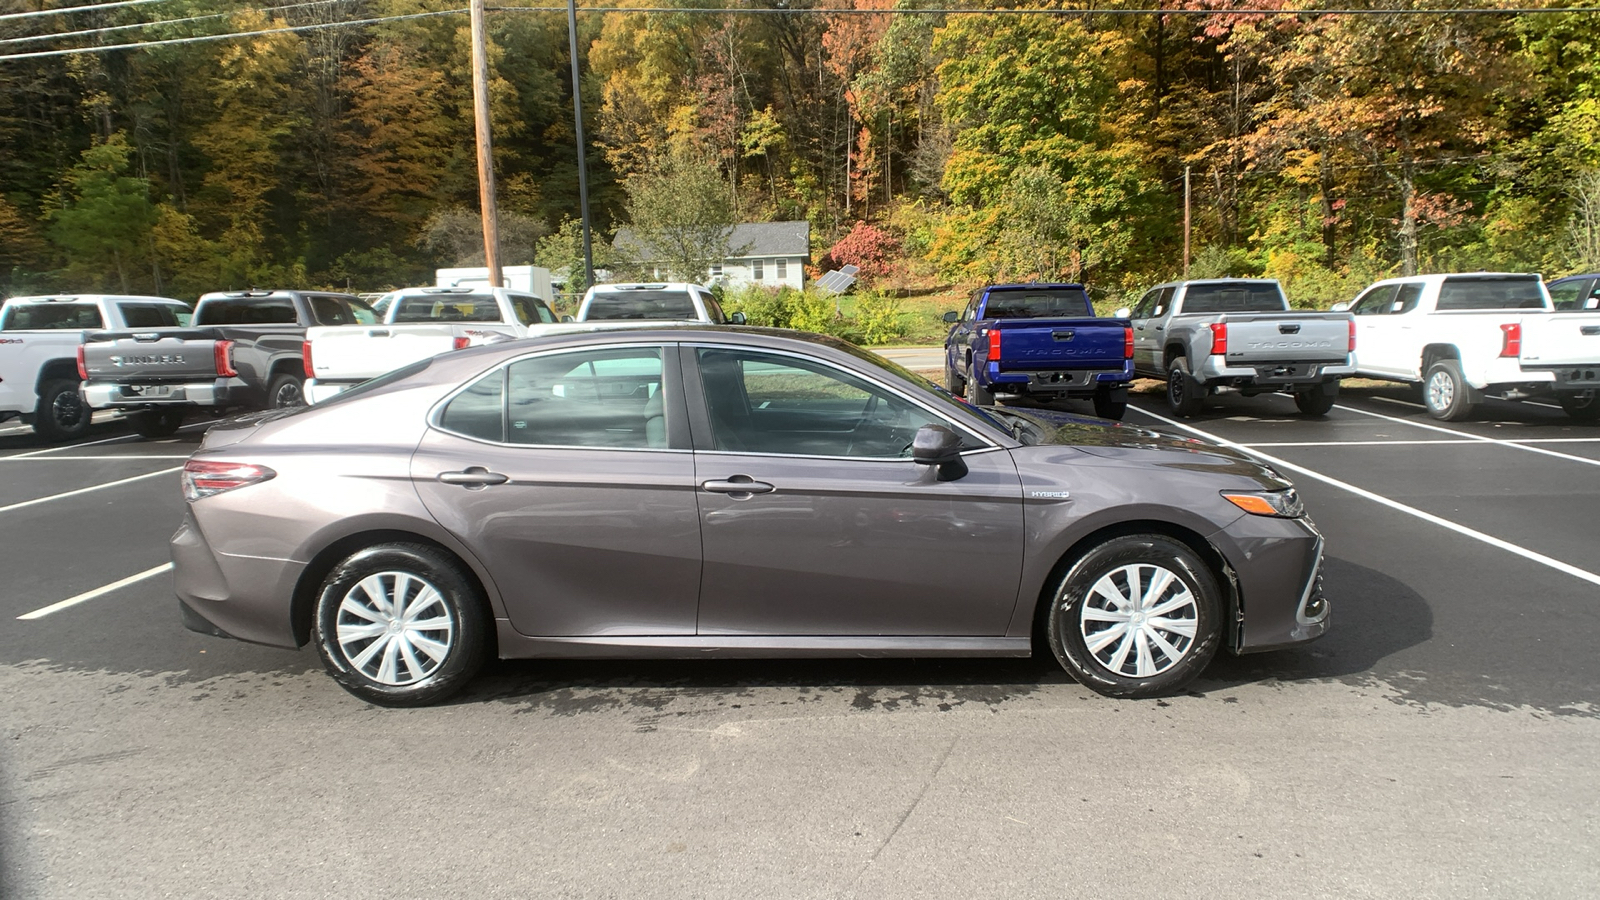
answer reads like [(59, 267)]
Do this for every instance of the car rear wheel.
[(286, 390), (954, 381), (1317, 399), (1137, 616), (1583, 406), (401, 625), (1185, 396), (1444, 391), (157, 423), (976, 395), (61, 414), (1108, 408)]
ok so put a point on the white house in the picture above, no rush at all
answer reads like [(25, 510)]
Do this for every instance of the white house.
[(771, 254)]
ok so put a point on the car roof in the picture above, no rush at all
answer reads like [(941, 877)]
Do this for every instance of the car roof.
[(92, 298)]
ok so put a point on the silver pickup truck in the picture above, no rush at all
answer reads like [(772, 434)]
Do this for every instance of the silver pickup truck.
[(1201, 337)]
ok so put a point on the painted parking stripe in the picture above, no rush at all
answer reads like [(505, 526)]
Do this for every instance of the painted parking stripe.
[(1491, 540), (1463, 434), (115, 440), (175, 456), (92, 487), (86, 596), (1380, 443)]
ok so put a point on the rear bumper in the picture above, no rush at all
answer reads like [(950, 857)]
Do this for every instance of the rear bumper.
[(1216, 368), (241, 597), (1059, 381), (217, 392)]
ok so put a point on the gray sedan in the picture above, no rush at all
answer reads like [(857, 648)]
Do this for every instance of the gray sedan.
[(701, 491)]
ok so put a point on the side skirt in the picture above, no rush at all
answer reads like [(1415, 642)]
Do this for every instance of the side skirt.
[(515, 645)]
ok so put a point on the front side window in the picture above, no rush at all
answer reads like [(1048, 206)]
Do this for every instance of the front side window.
[(333, 311), (1146, 304), (531, 309), (1409, 296), (767, 403), (1570, 295), (713, 309), (1378, 301)]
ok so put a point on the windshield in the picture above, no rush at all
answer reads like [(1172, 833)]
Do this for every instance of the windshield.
[(641, 305), (51, 316), (1224, 297), (1057, 303), (1512, 292)]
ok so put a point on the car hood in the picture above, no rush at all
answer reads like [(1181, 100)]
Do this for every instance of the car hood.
[(1135, 445)]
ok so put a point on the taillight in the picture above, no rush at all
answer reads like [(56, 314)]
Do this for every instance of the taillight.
[(1127, 342), (1219, 339), (305, 356), (462, 342), (1511, 339), (994, 345), (222, 353), (83, 367), (1352, 324), (204, 478)]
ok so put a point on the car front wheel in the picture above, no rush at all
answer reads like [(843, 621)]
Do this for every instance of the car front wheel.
[(1137, 616), (401, 625)]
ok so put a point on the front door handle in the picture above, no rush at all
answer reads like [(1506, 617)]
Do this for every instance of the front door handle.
[(474, 477), (740, 487)]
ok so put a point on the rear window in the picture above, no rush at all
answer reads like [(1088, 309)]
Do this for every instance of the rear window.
[(51, 316), (246, 311), (149, 315), (1490, 293), (1055, 303), (448, 308), (1225, 298), (641, 305)]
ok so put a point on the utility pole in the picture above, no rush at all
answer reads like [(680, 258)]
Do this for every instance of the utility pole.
[(480, 115), (583, 164), (1185, 223)]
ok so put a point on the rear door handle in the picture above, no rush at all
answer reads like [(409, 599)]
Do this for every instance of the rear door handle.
[(474, 477), (737, 485), (1590, 330)]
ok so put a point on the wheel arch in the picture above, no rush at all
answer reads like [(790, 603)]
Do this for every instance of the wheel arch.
[(1173, 351), (54, 369), (288, 365), (1432, 353)]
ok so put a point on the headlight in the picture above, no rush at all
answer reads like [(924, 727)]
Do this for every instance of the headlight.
[(1284, 504)]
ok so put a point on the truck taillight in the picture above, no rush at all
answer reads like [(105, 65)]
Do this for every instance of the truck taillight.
[(1127, 342), (1352, 324), (994, 345), (462, 342), (1511, 339), (222, 354), (205, 478), (83, 367), (305, 356), (1219, 339)]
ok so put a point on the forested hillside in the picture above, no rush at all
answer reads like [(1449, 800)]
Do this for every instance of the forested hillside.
[(1324, 149)]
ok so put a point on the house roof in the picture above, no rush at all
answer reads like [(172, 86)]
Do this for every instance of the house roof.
[(752, 239)]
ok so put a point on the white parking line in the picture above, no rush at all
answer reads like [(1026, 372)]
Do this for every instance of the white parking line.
[(1488, 440), (1491, 540), (86, 596), (156, 456), (1401, 402), (115, 440), (1389, 443), (92, 487)]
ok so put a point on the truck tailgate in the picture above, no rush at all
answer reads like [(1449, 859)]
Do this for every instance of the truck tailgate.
[(359, 352), (1061, 343), (1287, 337), (151, 356), (1561, 339)]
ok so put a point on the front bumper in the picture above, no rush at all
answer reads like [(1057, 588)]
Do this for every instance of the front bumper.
[(219, 392), (242, 597), (1277, 565)]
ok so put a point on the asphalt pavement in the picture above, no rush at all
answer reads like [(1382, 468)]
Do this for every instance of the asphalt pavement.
[(1439, 742)]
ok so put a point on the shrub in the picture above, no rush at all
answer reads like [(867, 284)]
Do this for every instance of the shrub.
[(878, 318), (873, 250)]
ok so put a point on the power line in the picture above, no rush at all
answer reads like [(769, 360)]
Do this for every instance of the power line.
[(64, 10), (36, 38)]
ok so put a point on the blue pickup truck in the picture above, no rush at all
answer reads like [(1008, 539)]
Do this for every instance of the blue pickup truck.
[(1040, 341)]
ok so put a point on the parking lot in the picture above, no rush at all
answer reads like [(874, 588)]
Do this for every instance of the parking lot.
[(1440, 742)]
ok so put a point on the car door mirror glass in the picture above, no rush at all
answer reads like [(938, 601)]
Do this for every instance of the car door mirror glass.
[(1123, 313), (737, 318), (952, 316), (568, 319), (938, 445), (1340, 307)]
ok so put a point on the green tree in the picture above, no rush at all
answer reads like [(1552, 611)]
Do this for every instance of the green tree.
[(681, 215), (103, 221)]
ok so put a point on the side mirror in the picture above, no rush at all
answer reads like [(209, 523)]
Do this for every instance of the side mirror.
[(952, 316), (737, 318), (1340, 307), (1123, 313), (937, 445), (568, 319)]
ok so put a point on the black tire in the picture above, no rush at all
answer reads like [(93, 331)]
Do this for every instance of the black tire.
[(397, 681), (1445, 392), (1065, 625), (975, 394), (954, 381), (1107, 408), (157, 423), (1317, 400), (61, 414), (1185, 396), (285, 391), (1581, 406)]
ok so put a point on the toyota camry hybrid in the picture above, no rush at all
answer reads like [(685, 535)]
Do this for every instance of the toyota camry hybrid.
[(705, 491)]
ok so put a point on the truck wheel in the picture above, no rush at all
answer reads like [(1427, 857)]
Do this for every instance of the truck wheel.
[(286, 390), (1444, 391), (1185, 396), (1107, 408), (1317, 399), (1581, 406), (976, 395), (61, 414), (157, 423), (954, 382), (1137, 616)]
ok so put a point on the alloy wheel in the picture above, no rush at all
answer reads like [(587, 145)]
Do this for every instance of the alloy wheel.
[(1441, 390), (68, 410), (1139, 620), (395, 628)]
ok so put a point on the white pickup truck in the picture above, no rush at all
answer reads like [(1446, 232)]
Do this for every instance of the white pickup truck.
[(1467, 337), (40, 343), (673, 301), (417, 323)]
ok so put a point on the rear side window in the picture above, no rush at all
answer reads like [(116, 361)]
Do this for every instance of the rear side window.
[(641, 305), (593, 398), (340, 311), (243, 311), (51, 317), (531, 309), (1224, 298), (149, 315), (1055, 303), (479, 411), (1490, 293)]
